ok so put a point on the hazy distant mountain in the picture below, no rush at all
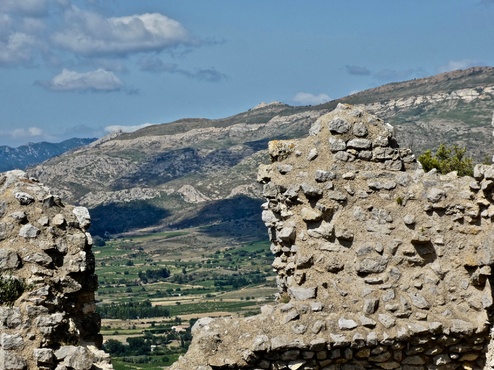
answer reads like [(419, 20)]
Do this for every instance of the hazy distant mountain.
[(35, 153), (201, 172)]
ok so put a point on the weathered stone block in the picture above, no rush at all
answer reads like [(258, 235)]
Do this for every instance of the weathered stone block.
[(9, 360), (323, 176), (372, 265), (11, 341), (43, 355), (29, 231), (435, 195), (312, 154), (303, 294), (9, 260), (310, 214), (339, 126), (82, 216), (346, 324), (359, 144)]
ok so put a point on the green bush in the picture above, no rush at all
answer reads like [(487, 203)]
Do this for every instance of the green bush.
[(447, 159), (10, 289)]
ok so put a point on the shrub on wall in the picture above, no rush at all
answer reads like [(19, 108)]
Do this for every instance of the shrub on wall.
[(447, 159), (11, 288)]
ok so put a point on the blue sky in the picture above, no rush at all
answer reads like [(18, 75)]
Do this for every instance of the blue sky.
[(85, 67)]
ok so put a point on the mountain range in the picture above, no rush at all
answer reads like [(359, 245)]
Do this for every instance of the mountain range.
[(34, 153), (201, 173)]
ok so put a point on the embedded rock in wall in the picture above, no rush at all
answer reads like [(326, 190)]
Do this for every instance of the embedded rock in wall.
[(379, 265), (47, 281)]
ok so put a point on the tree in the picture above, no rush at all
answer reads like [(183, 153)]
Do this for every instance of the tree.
[(114, 347), (447, 159)]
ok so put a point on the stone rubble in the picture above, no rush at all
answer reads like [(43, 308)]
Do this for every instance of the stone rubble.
[(46, 247), (379, 265)]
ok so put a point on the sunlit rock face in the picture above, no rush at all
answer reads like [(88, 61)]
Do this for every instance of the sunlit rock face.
[(47, 283), (379, 265)]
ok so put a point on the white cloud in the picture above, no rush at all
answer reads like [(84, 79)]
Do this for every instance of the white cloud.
[(16, 48), (31, 132), (98, 80), (310, 99), (90, 34), (122, 128), (453, 65)]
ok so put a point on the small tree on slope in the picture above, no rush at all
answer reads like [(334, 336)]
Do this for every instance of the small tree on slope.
[(447, 159)]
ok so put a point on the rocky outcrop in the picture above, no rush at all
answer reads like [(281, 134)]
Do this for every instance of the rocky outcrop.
[(48, 316), (379, 265), (414, 102), (191, 194)]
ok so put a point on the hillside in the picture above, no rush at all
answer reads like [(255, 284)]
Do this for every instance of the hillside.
[(201, 173), (35, 153)]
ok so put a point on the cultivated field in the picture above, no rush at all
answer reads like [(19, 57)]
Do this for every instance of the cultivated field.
[(153, 287)]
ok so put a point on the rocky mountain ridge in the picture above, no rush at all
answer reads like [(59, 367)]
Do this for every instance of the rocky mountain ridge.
[(35, 153), (174, 172)]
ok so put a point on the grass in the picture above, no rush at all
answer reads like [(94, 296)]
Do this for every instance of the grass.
[(211, 306), (161, 235), (119, 364)]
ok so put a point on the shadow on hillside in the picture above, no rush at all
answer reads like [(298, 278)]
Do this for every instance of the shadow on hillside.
[(116, 218), (238, 217), (173, 164), (261, 144)]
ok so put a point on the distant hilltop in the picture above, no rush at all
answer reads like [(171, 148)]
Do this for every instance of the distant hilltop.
[(272, 104)]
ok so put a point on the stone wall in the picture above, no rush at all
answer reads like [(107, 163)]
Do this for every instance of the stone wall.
[(379, 265), (47, 282)]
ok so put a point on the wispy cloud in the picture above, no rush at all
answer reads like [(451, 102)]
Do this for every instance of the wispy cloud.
[(305, 98), (123, 128), (99, 80), (30, 132), (30, 8), (453, 65), (16, 48), (156, 65), (357, 70), (20, 136), (81, 131)]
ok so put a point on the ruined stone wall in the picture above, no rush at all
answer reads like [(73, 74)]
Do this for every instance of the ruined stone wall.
[(47, 281), (379, 265)]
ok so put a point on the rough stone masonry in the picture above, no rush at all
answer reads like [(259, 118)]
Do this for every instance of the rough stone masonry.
[(47, 281), (379, 265)]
